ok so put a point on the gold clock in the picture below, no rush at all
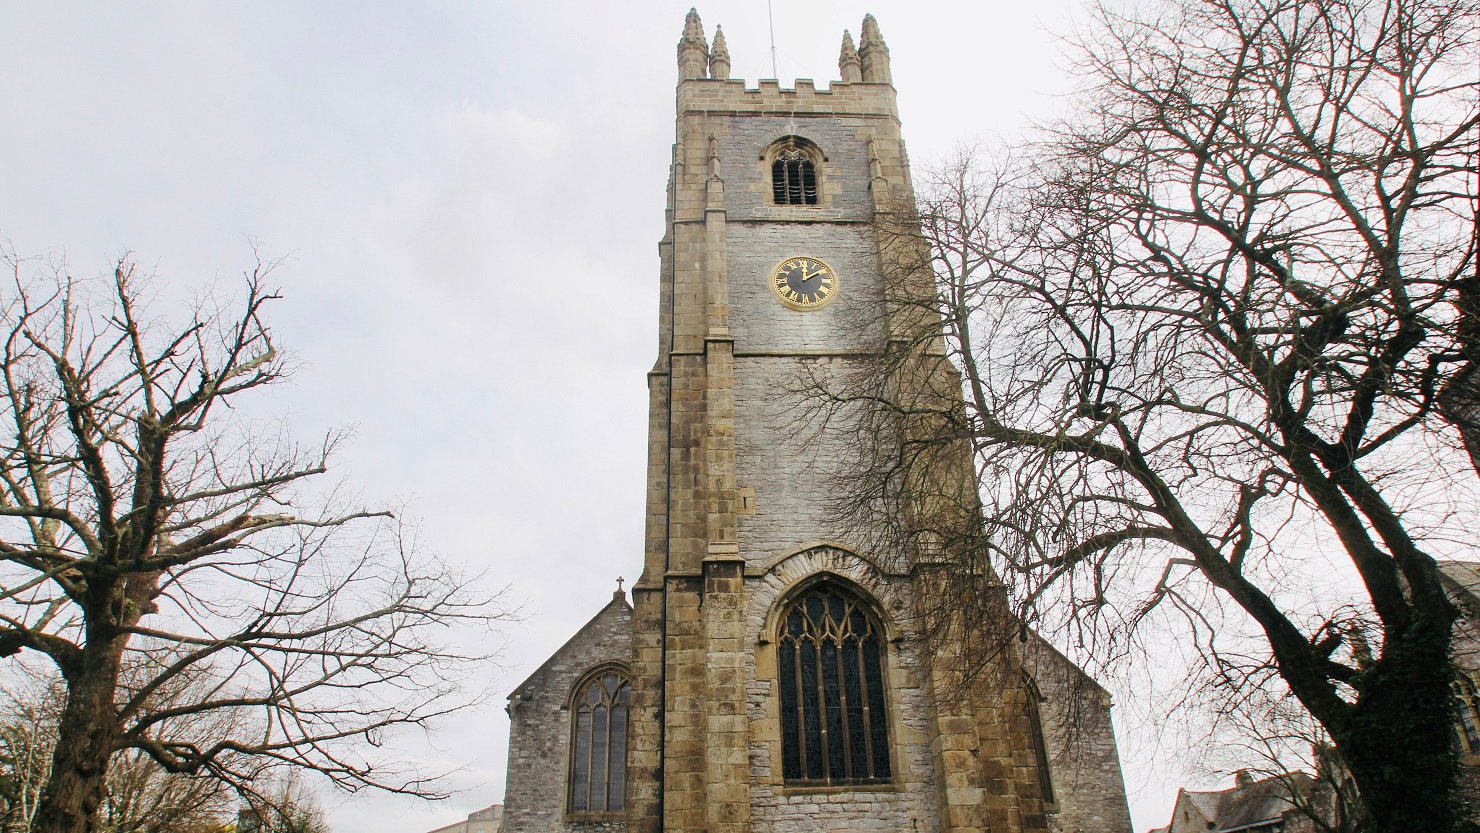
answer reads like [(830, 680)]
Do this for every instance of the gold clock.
[(804, 283)]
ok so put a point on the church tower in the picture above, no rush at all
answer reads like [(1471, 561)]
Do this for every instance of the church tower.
[(772, 673), (775, 671)]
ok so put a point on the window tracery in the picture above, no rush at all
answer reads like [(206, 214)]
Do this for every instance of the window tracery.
[(598, 745), (830, 667)]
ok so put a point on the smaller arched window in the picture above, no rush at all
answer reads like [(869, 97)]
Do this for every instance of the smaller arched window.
[(794, 172), (830, 664), (1040, 740), (1467, 719), (598, 743)]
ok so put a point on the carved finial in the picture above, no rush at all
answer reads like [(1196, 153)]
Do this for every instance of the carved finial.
[(619, 594), (719, 57), (693, 51), (848, 63), (873, 53)]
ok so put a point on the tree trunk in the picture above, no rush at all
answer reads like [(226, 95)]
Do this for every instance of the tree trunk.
[(1398, 743), (85, 740)]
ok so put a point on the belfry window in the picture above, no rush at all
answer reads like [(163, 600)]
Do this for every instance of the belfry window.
[(598, 744), (830, 664), (793, 178), (1467, 720)]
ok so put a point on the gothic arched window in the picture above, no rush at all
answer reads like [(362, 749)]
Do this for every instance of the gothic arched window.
[(1467, 723), (598, 742), (1040, 741), (830, 669), (793, 177)]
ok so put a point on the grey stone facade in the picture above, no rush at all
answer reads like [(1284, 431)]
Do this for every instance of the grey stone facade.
[(540, 724), (1084, 764)]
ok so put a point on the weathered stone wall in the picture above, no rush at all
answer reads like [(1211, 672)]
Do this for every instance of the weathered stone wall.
[(842, 173), (540, 725), (1084, 764), (758, 321), (786, 459)]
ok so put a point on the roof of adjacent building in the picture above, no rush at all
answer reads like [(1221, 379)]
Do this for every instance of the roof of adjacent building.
[(1249, 804), (493, 814), (1260, 801)]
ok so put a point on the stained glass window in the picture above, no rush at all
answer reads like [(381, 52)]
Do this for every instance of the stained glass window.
[(830, 663), (598, 745)]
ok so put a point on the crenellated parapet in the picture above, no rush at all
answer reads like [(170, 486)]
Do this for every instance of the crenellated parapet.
[(867, 63), (733, 96)]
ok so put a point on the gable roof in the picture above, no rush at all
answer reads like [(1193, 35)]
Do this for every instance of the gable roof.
[(1205, 802), (1247, 804), (1261, 801), (619, 601)]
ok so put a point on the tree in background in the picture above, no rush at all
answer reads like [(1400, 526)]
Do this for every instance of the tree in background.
[(27, 732), (285, 806), (139, 795), (1202, 331), (148, 523)]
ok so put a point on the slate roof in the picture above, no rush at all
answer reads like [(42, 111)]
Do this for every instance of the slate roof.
[(1247, 805), (1259, 802), (1206, 803)]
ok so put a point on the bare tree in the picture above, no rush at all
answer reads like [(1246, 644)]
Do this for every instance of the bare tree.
[(144, 515), (1202, 330)]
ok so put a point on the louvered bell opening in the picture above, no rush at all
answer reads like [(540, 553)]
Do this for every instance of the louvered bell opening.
[(793, 179)]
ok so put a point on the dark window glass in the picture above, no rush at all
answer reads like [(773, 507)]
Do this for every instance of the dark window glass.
[(617, 764), (580, 778), (793, 179), (791, 727), (834, 724), (598, 747)]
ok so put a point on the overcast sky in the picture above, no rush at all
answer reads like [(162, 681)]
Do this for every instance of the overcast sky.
[(468, 198)]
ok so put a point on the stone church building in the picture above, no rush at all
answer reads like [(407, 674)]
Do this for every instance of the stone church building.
[(768, 674)]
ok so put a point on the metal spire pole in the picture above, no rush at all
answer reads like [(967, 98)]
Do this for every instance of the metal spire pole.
[(771, 20)]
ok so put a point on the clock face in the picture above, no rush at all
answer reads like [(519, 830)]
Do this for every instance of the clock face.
[(804, 283)]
